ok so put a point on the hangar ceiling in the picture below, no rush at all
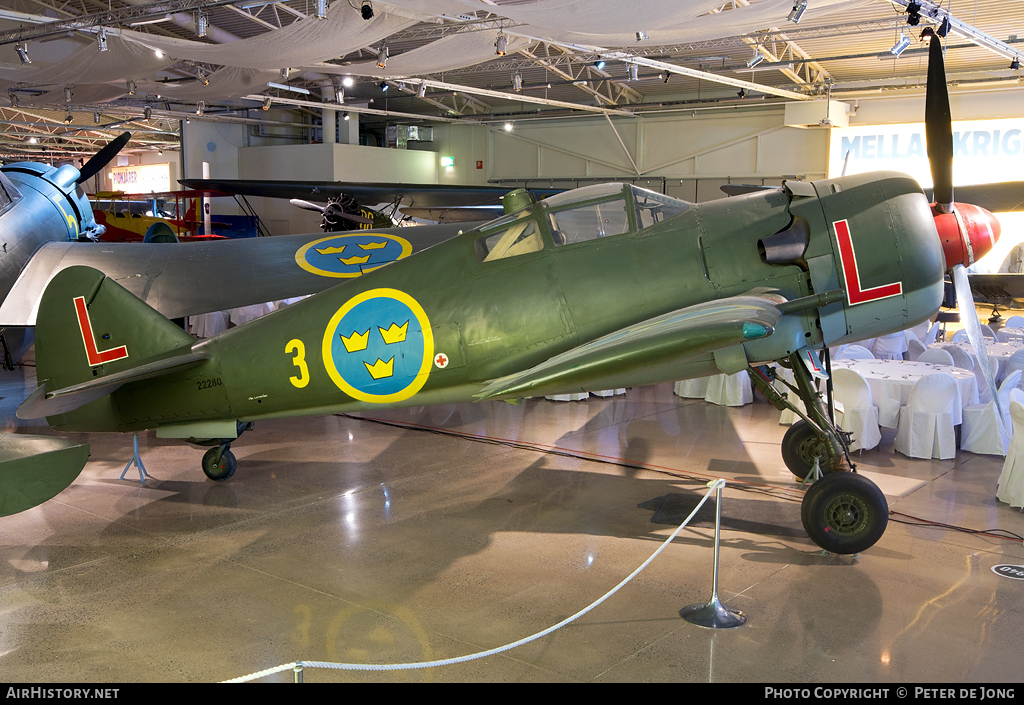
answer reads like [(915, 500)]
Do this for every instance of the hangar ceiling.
[(100, 67)]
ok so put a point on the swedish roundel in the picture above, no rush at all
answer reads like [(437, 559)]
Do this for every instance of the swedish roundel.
[(378, 347), (351, 255)]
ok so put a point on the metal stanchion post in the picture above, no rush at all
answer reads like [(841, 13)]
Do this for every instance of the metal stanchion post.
[(297, 672), (713, 614)]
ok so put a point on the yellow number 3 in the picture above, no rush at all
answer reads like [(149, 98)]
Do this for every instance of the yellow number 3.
[(299, 361)]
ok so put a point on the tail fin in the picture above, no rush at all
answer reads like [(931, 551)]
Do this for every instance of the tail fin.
[(92, 336)]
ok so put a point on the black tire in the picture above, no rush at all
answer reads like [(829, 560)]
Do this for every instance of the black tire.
[(844, 513), (223, 468), (800, 445)]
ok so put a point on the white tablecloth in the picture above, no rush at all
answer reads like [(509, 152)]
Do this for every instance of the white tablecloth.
[(1011, 335), (892, 380)]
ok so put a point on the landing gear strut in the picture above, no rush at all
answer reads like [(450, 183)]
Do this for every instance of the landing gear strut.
[(842, 512)]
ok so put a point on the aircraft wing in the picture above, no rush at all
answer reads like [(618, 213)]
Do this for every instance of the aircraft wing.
[(997, 288), (185, 279), (424, 195), (666, 340)]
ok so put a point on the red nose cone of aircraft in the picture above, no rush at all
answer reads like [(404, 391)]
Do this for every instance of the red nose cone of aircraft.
[(967, 234)]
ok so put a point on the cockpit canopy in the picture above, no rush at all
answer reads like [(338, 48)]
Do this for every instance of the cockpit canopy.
[(572, 217)]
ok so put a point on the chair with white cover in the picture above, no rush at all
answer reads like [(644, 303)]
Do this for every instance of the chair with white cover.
[(890, 347), (730, 390), (936, 356), (961, 358), (1014, 322), (1011, 480), (984, 393), (981, 431), (915, 348), (859, 414), (855, 352), (692, 388), (1016, 362), (959, 335), (920, 331), (926, 425), (988, 333), (933, 334)]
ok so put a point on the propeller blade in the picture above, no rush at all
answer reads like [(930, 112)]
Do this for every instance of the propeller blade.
[(306, 205), (969, 317), (100, 159), (938, 126)]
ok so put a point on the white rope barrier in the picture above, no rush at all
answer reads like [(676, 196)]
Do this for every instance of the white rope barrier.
[(714, 485)]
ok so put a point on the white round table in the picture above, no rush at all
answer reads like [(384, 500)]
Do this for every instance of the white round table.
[(999, 351), (891, 381)]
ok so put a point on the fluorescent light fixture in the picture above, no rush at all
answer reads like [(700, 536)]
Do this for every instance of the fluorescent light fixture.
[(758, 58), (283, 87), (500, 44), (101, 39), (320, 9), (22, 50), (799, 8), (448, 161), (382, 57), (900, 46), (140, 23)]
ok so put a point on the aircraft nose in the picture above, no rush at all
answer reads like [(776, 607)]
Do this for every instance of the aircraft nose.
[(967, 234)]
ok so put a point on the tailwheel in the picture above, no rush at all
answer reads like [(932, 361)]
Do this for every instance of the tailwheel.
[(801, 445), (219, 463), (844, 513)]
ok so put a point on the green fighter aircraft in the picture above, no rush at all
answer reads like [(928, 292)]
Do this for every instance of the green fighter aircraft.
[(601, 287)]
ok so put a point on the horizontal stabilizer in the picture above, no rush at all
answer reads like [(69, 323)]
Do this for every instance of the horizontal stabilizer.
[(34, 469), (41, 403), (672, 337)]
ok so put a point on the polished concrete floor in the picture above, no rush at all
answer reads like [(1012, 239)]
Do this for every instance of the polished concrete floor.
[(344, 539)]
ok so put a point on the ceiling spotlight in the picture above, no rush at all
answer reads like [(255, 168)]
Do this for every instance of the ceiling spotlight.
[(320, 9), (500, 44), (68, 118), (147, 113), (913, 13), (201, 77), (284, 74), (742, 93), (943, 28), (13, 97), (1015, 64), (900, 46), (339, 95), (384, 86), (799, 8), (200, 107), (382, 57), (67, 94), (517, 81), (22, 50), (131, 87), (666, 75), (96, 118), (202, 24), (758, 58), (101, 39), (599, 65), (366, 11), (641, 36), (632, 72), (346, 116), (508, 127), (423, 89), (348, 82), (267, 102), (33, 140), (158, 54)]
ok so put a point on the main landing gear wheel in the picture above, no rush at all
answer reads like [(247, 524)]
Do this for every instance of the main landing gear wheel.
[(219, 464), (844, 513), (800, 445)]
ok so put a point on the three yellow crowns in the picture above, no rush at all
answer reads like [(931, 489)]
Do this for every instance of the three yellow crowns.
[(358, 341), (354, 260)]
